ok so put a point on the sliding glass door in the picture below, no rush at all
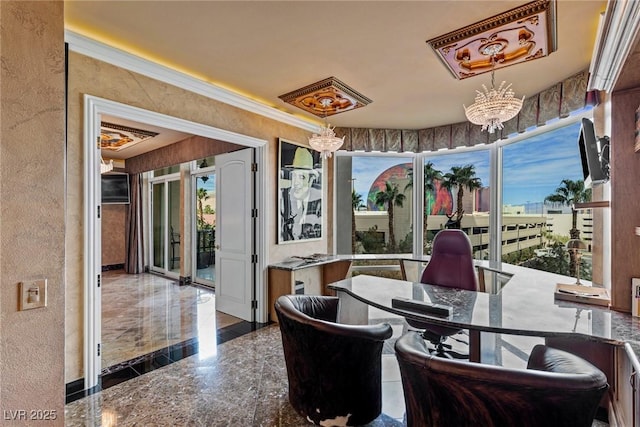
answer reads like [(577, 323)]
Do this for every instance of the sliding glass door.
[(165, 224)]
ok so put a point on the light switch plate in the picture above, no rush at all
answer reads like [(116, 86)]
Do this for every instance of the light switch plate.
[(33, 294)]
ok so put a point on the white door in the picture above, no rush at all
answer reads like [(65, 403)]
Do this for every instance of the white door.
[(234, 234)]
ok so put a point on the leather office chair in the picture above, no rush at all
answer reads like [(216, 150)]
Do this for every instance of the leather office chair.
[(334, 370), (556, 389), (451, 265)]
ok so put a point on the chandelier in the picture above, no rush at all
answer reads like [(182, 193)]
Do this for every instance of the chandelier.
[(105, 166), (493, 106), (326, 142)]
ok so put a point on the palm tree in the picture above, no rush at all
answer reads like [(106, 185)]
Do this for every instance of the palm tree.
[(568, 194), (356, 203), (430, 176), (390, 197), (201, 195), (459, 178)]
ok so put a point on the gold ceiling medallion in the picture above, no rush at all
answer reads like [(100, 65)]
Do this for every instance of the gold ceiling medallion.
[(326, 98), (115, 137), (522, 34)]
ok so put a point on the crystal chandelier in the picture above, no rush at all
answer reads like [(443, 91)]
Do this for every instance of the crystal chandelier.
[(326, 142), (493, 106), (105, 166)]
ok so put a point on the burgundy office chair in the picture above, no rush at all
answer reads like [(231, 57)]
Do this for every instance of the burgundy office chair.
[(451, 265)]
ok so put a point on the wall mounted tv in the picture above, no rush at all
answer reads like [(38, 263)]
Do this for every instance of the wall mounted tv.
[(115, 188), (594, 154)]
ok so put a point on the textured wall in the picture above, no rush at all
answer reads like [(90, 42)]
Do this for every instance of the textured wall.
[(195, 147), (113, 234), (32, 222), (89, 76)]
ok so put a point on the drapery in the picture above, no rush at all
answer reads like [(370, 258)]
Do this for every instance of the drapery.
[(558, 101), (134, 261)]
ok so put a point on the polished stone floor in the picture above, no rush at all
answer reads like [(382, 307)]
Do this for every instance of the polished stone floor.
[(236, 378), (143, 313)]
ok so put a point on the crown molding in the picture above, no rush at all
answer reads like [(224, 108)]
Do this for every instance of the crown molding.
[(102, 52), (617, 32)]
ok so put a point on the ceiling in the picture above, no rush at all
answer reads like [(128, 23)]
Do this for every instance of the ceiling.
[(264, 49)]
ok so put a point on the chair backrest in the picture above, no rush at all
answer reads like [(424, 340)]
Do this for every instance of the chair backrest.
[(333, 369), (557, 389), (451, 262)]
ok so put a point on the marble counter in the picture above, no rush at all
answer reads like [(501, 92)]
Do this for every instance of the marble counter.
[(525, 306)]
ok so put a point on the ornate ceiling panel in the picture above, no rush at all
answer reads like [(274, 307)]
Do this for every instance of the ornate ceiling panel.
[(521, 34)]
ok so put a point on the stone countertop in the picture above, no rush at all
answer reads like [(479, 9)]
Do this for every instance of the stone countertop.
[(525, 306)]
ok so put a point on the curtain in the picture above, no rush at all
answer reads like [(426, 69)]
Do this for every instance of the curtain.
[(134, 261), (558, 101)]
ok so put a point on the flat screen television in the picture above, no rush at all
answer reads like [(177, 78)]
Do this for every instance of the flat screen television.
[(594, 154), (115, 188)]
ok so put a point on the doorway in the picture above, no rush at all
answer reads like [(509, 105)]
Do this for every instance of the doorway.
[(204, 266), (94, 108), (165, 238)]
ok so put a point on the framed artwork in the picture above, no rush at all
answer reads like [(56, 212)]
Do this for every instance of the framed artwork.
[(299, 193)]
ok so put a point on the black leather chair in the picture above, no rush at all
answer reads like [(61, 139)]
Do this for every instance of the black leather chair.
[(451, 265), (556, 389), (334, 370)]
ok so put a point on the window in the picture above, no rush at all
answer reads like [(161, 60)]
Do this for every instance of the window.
[(457, 196), (517, 178), (377, 215), (542, 177)]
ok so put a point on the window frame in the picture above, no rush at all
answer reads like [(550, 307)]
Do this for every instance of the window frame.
[(495, 180)]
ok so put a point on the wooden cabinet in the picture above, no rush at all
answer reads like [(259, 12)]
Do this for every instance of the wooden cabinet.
[(282, 278), (625, 395)]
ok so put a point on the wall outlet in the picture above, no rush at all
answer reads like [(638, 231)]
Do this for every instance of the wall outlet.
[(33, 294)]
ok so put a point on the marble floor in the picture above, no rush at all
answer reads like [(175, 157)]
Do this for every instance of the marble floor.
[(233, 379), (143, 313)]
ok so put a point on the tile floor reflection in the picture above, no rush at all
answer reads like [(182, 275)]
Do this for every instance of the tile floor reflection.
[(243, 384), (143, 313), (233, 377)]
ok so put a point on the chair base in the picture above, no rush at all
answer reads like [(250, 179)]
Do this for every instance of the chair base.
[(441, 349)]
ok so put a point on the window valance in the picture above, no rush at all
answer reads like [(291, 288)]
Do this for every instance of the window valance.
[(558, 101)]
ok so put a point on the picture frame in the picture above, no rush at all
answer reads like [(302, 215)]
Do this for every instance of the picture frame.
[(300, 193)]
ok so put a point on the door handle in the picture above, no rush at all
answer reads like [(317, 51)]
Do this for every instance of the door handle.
[(217, 247)]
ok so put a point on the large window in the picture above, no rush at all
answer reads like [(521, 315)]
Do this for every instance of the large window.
[(531, 181), (377, 215), (457, 196), (542, 179)]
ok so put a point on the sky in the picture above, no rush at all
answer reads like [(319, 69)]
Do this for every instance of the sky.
[(533, 168)]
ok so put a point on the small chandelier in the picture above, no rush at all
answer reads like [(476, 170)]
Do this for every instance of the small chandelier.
[(326, 142), (105, 167), (493, 106)]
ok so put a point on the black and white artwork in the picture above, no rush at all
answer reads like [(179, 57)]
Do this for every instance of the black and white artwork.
[(299, 193)]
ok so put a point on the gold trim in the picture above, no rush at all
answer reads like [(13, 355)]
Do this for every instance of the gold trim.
[(468, 63), (326, 98)]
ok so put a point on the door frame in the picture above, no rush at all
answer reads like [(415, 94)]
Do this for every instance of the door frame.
[(94, 108)]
